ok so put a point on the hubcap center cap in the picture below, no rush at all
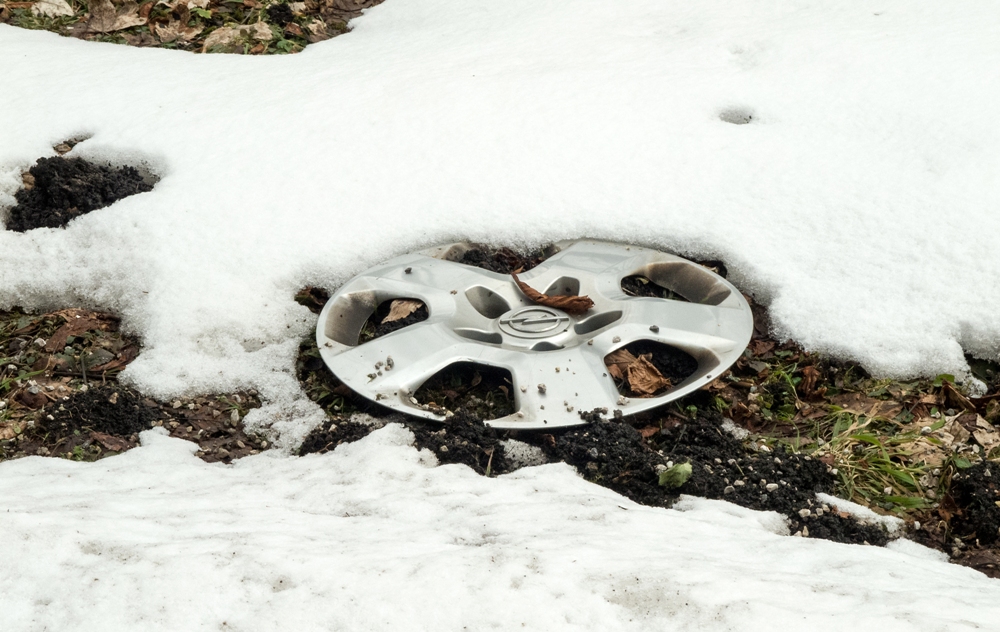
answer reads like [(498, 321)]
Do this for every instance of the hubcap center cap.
[(534, 322)]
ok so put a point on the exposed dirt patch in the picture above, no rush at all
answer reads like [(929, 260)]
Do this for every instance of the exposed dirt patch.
[(253, 27), (59, 395), (617, 456), (976, 491), (463, 439), (57, 190), (334, 432)]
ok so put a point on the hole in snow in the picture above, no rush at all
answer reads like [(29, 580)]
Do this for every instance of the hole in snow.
[(736, 116)]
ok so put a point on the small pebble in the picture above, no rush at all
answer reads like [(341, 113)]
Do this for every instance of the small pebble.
[(804, 513), (444, 448), (234, 416), (541, 389), (771, 487), (729, 489)]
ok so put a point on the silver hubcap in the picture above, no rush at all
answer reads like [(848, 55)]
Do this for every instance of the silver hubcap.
[(556, 360)]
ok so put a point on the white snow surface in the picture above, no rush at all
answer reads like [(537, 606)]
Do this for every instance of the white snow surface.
[(860, 203), (373, 536)]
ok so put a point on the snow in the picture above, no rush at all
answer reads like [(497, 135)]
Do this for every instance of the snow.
[(859, 202), (863, 514), (374, 537)]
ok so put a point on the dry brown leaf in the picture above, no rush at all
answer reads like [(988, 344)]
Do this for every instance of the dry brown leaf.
[(649, 431), (955, 398), (986, 434), (644, 378), (317, 31), (110, 442), (401, 308), (52, 8), (618, 363), (568, 304), (261, 32), (6, 432), (78, 321), (810, 376), (104, 18), (222, 36), (175, 30)]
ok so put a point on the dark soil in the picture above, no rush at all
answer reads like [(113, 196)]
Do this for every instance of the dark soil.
[(62, 189), (616, 456), (333, 433), (503, 260), (976, 491), (463, 439), (474, 389)]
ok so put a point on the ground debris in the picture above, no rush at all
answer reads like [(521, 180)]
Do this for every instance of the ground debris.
[(255, 27)]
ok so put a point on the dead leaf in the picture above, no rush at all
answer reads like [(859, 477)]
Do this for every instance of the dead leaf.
[(261, 32), (294, 29), (400, 308), (955, 398), (930, 399), (7, 432), (78, 321), (986, 434), (649, 431), (221, 37), (109, 442), (104, 18), (175, 30), (810, 377), (52, 8), (568, 304), (618, 363), (31, 400), (761, 347), (644, 378), (317, 31)]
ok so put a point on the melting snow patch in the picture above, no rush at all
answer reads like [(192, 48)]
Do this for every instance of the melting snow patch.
[(521, 454), (865, 515)]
